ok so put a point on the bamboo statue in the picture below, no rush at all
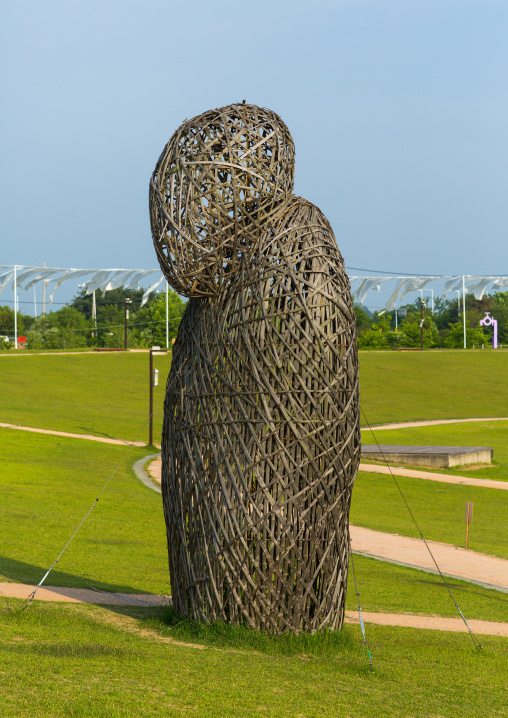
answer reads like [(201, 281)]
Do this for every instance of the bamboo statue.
[(261, 440)]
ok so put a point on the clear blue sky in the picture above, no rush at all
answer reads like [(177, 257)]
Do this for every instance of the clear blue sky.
[(399, 112)]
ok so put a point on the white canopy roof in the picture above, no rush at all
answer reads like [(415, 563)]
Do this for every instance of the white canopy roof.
[(107, 279), (476, 284), (103, 279)]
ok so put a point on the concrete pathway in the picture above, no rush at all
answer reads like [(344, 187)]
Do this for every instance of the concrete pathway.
[(80, 595), (25, 353), (154, 468), (485, 570), (430, 476), (488, 571), (88, 437), (435, 623), (433, 422)]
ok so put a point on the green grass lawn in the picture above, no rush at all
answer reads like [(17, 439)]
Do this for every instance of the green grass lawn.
[(107, 394), (65, 660), (387, 588), (455, 384), (100, 394), (438, 508), (493, 433), (74, 661), (47, 484)]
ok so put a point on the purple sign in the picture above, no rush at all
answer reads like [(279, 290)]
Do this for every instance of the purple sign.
[(488, 321)]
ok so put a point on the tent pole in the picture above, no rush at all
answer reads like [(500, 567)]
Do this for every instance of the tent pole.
[(167, 315), (15, 307), (44, 295), (464, 308)]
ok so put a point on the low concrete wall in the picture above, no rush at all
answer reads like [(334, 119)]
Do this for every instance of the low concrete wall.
[(431, 456)]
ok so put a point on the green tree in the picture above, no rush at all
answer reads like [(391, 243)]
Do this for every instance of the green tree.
[(176, 308), (498, 307), (363, 319), (7, 321), (454, 338), (114, 298), (410, 332), (373, 338), (65, 329)]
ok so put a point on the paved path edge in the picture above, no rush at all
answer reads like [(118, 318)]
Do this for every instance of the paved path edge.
[(490, 586), (139, 470)]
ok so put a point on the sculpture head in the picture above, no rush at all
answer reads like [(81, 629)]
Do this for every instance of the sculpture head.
[(220, 177)]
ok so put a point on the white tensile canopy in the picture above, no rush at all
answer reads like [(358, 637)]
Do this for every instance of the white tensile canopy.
[(462, 284), (26, 277)]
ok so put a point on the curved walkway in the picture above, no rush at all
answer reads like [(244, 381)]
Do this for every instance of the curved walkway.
[(81, 595), (435, 623), (453, 561), (487, 571), (103, 598), (430, 476), (88, 437), (432, 422), (139, 470)]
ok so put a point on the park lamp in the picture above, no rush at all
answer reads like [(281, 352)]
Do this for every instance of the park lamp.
[(127, 301)]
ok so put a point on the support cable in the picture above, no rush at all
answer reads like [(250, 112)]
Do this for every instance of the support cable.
[(475, 640), (31, 597), (366, 649)]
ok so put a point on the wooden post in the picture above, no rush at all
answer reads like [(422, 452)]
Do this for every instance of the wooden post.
[(469, 518), (421, 324), (126, 305)]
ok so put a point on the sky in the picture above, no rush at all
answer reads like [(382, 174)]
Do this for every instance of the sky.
[(399, 113)]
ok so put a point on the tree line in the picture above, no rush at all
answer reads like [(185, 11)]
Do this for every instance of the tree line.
[(441, 329), (72, 326)]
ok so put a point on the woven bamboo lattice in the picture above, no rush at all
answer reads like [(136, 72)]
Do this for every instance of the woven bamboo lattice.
[(261, 439), (218, 180)]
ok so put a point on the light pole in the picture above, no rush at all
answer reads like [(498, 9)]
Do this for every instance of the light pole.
[(127, 302), (432, 299), (422, 304), (458, 301)]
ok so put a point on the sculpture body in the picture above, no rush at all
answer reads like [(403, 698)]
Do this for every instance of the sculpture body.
[(261, 438)]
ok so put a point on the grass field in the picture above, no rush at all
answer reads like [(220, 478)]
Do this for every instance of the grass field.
[(99, 394), (76, 661), (64, 660), (47, 484), (407, 386), (438, 508), (107, 394)]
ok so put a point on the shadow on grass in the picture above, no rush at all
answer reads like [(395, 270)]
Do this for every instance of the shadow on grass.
[(22, 572), (94, 432), (461, 587)]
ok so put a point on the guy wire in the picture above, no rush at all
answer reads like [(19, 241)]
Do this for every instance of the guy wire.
[(365, 643), (31, 597), (476, 642)]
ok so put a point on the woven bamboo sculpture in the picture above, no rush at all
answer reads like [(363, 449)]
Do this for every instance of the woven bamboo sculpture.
[(217, 182), (261, 440)]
